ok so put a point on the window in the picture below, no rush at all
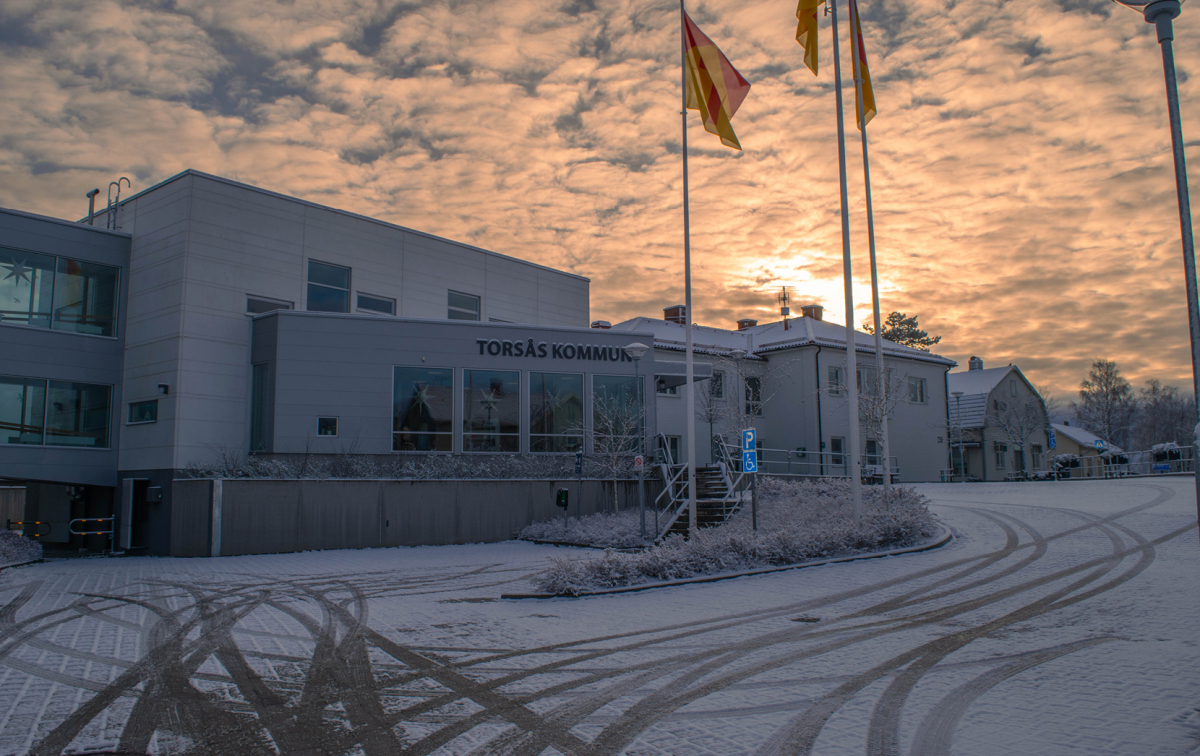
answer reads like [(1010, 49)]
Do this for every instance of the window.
[(58, 292), (1001, 453), (916, 390), (22, 410), (260, 406), (617, 417), (376, 304), (555, 412), (327, 426), (1035, 451), (422, 409), (328, 287), (868, 381), (753, 395), (143, 412), (835, 381), (54, 413), (258, 305), (1012, 387), (491, 410), (873, 452), (717, 385), (672, 448), (837, 448), (462, 306), (665, 390)]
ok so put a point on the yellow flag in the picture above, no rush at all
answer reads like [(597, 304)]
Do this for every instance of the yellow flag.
[(714, 87), (865, 108), (806, 31)]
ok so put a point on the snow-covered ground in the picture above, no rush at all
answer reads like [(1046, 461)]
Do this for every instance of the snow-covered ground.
[(1061, 620)]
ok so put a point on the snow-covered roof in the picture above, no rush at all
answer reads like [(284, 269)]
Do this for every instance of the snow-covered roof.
[(769, 337), (975, 386), (1084, 438)]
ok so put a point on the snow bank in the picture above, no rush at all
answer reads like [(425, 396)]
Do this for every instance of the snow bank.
[(797, 522), (620, 530), (15, 548)]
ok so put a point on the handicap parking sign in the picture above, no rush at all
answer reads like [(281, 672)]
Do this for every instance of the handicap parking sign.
[(748, 438), (749, 462)]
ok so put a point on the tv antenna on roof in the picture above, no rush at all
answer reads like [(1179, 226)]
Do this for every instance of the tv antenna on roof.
[(785, 301)]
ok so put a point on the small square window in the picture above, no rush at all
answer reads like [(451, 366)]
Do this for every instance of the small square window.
[(143, 412), (381, 305), (461, 306), (327, 426)]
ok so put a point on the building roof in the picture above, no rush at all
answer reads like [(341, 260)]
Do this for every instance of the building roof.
[(769, 337), (975, 385), (1084, 438)]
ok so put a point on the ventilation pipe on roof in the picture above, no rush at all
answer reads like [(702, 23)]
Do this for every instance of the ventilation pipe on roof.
[(816, 312), (602, 325), (675, 314), (975, 363)]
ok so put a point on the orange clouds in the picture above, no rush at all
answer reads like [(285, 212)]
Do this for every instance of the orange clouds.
[(1023, 188)]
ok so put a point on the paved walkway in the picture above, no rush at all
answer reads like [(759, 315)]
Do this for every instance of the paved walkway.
[(1060, 621)]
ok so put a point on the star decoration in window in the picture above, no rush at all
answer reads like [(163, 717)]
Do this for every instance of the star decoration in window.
[(18, 270)]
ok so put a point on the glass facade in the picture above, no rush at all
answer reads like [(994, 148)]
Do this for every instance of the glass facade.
[(617, 417), (58, 292), (555, 412), (422, 409), (491, 410), (54, 413)]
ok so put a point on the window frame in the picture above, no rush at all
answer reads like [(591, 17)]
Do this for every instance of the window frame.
[(320, 419), (464, 433), (46, 430), (922, 392), (358, 295), (718, 385), (754, 407), (452, 433), (834, 380), (1001, 455), (50, 315), (478, 313), (583, 402), (309, 283), (129, 417)]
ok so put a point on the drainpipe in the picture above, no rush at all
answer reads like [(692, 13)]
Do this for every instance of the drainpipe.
[(983, 448), (820, 433), (949, 439), (92, 206)]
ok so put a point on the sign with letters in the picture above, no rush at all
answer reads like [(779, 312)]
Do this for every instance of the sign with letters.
[(749, 454), (543, 350)]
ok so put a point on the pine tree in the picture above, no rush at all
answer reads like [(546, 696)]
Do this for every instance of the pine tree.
[(902, 329)]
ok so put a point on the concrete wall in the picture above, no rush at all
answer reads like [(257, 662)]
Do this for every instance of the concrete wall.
[(279, 516), (32, 352)]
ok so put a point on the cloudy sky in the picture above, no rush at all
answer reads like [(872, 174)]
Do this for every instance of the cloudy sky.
[(1023, 189)]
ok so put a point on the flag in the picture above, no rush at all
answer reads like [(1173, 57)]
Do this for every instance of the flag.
[(864, 110), (806, 31), (714, 87)]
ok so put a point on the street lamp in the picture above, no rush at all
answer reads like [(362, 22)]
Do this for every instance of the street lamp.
[(962, 463), (1161, 13), (635, 351)]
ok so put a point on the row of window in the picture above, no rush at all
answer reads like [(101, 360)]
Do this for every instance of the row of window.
[(45, 291), (423, 410), (914, 388), (38, 412)]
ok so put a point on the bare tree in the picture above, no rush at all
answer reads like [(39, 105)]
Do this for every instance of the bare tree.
[(1164, 416), (1106, 406), (758, 382), (1054, 405), (618, 423), (710, 401), (878, 395), (1017, 420)]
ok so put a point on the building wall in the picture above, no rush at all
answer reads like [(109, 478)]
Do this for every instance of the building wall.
[(203, 244), (34, 352), (1003, 392)]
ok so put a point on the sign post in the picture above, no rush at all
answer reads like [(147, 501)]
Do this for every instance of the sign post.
[(579, 475), (750, 465), (639, 464)]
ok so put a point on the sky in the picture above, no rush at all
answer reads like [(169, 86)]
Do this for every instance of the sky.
[(1022, 183)]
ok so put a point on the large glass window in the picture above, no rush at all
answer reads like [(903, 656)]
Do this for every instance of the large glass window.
[(49, 292), (491, 410), (77, 414), (422, 409), (22, 410), (260, 406), (85, 297), (617, 417), (461, 306), (555, 412), (328, 287)]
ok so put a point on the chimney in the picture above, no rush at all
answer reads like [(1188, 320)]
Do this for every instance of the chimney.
[(675, 314), (602, 325), (745, 323), (816, 312), (975, 363)]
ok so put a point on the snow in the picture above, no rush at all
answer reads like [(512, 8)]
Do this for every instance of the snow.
[(16, 548), (603, 530), (1084, 438), (1060, 620)]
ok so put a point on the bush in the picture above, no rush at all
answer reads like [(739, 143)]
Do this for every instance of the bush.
[(797, 522), (15, 548), (620, 530)]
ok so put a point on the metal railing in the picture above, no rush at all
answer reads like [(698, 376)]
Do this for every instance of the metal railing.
[(36, 525), (1175, 461), (809, 464)]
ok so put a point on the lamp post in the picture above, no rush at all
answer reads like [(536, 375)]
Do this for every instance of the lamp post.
[(1161, 13), (635, 352), (962, 463)]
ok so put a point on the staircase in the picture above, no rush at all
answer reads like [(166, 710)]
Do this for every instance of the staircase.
[(715, 502)]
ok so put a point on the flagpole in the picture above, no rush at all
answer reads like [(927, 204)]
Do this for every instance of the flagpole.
[(851, 356), (882, 382), (687, 286)]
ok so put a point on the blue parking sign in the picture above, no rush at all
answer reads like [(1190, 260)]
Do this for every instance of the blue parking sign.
[(1053, 439), (749, 436), (749, 461)]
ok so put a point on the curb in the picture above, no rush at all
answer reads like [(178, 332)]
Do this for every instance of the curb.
[(22, 564), (624, 549), (939, 541)]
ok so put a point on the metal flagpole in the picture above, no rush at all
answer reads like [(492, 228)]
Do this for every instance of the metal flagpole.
[(851, 356), (687, 288), (882, 385)]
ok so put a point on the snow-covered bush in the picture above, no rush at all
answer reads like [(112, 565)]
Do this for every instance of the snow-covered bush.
[(433, 466), (620, 530), (15, 548), (797, 522)]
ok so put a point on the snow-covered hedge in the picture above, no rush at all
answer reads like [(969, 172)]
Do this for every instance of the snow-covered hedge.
[(433, 466), (619, 530), (15, 548), (797, 522)]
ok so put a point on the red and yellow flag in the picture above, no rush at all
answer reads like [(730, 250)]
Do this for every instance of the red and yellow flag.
[(864, 109), (714, 87), (806, 31)]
